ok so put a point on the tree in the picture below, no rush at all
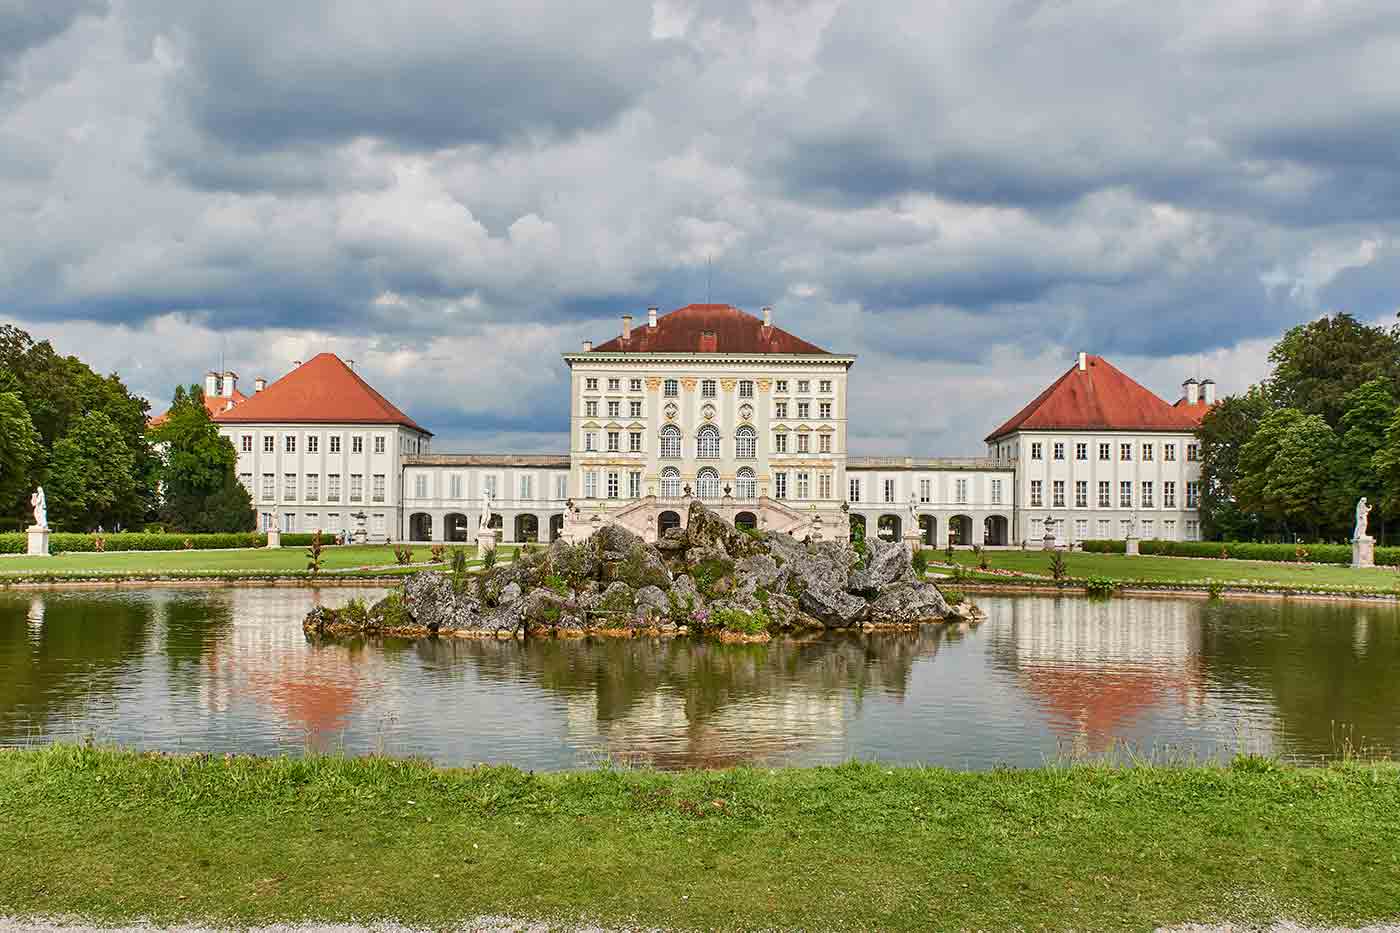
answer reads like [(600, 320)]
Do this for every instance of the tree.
[(200, 488), (1317, 364), (1255, 457), (1301, 473), (1369, 408), (1224, 430), (20, 452), (92, 475), (1386, 464)]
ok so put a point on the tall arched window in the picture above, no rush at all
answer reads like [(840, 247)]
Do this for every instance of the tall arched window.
[(708, 481), (746, 443), (707, 443), (670, 483), (745, 485), (671, 442)]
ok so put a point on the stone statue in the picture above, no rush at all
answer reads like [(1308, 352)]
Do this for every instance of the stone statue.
[(41, 508), (1363, 511), (913, 509), (485, 519)]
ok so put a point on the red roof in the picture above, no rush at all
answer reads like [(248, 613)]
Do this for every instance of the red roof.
[(323, 390), (214, 404), (1100, 398), (709, 329)]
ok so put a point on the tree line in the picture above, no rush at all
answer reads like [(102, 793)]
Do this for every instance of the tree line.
[(1288, 458), (85, 438)]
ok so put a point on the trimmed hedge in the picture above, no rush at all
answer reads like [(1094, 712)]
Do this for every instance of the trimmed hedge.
[(70, 542), (1247, 550)]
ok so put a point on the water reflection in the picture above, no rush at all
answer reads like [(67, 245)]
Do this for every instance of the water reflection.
[(230, 669)]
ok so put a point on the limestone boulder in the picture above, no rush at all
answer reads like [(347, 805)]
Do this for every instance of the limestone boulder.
[(908, 603), (652, 606)]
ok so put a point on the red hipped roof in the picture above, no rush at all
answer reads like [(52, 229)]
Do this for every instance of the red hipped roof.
[(213, 404), (1101, 397), (700, 328), (323, 390)]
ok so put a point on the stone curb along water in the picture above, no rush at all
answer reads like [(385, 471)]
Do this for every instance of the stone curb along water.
[(708, 576)]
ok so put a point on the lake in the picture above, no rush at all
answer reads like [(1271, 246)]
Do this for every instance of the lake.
[(229, 670)]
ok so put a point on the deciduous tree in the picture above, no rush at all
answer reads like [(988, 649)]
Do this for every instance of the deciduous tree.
[(20, 453), (92, 475), (1317, 364), (1224, 431), (200, 490), (1301, 473)]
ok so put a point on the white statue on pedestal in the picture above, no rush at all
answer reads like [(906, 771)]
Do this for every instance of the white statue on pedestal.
[(41, 508), (485, 519), (1363, 512)]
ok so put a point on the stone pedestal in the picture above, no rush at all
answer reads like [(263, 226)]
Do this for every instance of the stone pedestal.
[(1047, 543), (1363, 551), (486, 540), (274, 538), (1130, 546), (915, 541), (39, 540)]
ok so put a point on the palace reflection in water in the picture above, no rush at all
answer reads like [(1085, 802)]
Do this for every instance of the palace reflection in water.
[(230, 670)]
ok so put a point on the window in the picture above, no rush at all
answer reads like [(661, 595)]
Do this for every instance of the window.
[(804, 443), (488, 484), (614, 485), (1105, 528), (289, 444), (313, 444), (1147, 494), (804, 386), (357, 444), (1193, 495), (824, 410), (707, 443), (614, 385), (1059, 450), (1104, 450), (671, 442), (1036, 448), (269, 486), (634, 442), (671, 483), (780, 410), (527, 487), (1193, 453), (313, 521), (996, 492), (590, 409), (925, 490), (614, 441), (289, 521), (590, 485), (590, 440), (780, 443), (853, 490), (804, 410), (1193, 531), (779, 485), (269, 444), (825, 443), (1169, 494), (1169, 452), (1081, 494), (1057, 493), (377, 490), (746, 388), (335, 443), (746, 443), (634, 409), (672, 388), (289, 487), (1125, 527), (960, 491), (420, 486), (561, 487), (781, 387), (889, 490), (707, 388), (745, 485), (379, 443), (823, 485), (1125, 494), (1147, 529), (313, 487), (634, 484), (804, 484), (634, 385), (1169, 529), (1125, 451), (1081, 528), (357, 487), (455, 486), (1105, 494), (1081, 451), (247, 443), (1037, 499), (614, 409), (246, 479), (591, 384), (1147, 453), (707, 484), (825, 385)]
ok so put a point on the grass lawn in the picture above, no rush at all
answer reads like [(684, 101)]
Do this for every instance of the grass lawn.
[(116, 837), (251, 560), (1186, 569)]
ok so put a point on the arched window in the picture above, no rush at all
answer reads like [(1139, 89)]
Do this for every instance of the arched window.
[(708, 481), (746, 443), (670, 483), (745, 486), (671, 442), (707, 443)]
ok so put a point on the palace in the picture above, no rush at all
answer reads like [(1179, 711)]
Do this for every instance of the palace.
[(709, 401)]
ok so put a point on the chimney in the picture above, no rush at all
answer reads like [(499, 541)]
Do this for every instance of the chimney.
[(651, 317), (627, 327), (230, 384), (1191, 391), (767, 316), (1208, 391), (588, 346), (211, 384), (296, 363), (259, 384), (351, 364), (1083, 362)]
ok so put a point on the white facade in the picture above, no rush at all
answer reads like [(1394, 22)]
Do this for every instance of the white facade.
[(973, 501)]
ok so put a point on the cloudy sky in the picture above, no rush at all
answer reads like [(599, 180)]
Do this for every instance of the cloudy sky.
[(963, 193)]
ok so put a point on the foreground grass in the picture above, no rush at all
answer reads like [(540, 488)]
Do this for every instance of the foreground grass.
[(116, 836), (1188, 570)]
